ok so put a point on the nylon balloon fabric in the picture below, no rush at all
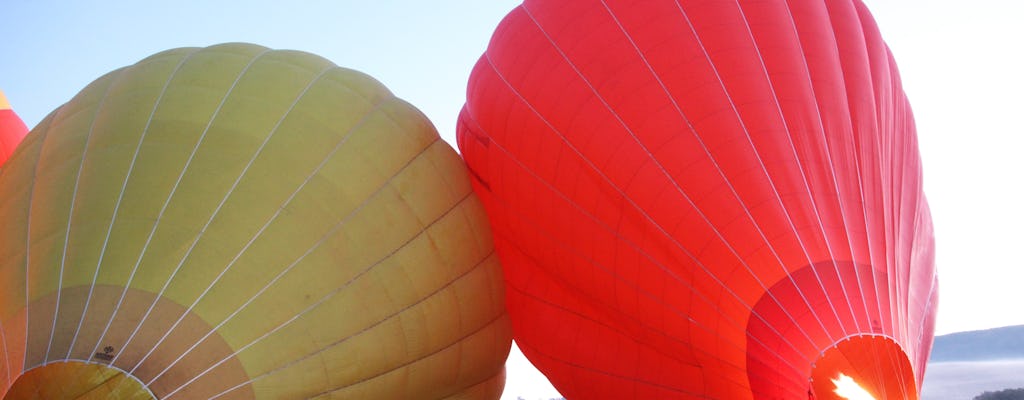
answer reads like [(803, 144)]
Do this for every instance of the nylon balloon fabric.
[(235, 222), (12, 129), (704, 199)]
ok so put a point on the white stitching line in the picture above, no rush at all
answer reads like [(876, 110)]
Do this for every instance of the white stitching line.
[(803, 175), (764, 169), (78, 176), (131, 167), (634, 246), (259, 233), (213, 216), (337, 290), (28, 229)]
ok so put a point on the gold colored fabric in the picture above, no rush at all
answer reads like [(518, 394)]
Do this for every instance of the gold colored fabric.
[(79, 381), (234, 222)]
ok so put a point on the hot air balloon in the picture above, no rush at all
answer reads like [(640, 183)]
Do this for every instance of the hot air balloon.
[(234, 222), (704, 199), (12, 129)]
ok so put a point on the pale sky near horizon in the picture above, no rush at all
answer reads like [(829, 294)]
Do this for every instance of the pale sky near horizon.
[(961, 65)]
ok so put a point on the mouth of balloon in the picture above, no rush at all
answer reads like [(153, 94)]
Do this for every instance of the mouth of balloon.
[(865, 367), (77, 378), (136, 351), (849, 389), (809, 330)]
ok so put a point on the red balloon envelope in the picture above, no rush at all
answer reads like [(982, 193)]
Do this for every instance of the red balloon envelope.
[(11, 129), (705, 199)]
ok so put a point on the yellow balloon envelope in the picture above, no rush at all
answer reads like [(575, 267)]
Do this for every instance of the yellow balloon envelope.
[(233, 222)]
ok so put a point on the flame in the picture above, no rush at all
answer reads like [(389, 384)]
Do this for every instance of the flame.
[(849, 389)]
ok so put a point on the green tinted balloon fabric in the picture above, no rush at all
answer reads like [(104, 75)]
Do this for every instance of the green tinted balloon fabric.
[(695, 199), (234, 222)]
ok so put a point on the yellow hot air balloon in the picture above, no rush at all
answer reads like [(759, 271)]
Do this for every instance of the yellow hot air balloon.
[(234, 222)]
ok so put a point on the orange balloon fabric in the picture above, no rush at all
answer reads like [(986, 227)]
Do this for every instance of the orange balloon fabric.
[(698, 199), (12, 129)]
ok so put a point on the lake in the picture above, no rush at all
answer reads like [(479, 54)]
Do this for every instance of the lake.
[(962, 380)]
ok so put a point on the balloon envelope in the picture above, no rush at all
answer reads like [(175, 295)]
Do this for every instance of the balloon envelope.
[(697, 199), (12, 129), (235, 222)]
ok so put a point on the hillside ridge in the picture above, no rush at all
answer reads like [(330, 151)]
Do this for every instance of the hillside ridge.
[(989, 344)]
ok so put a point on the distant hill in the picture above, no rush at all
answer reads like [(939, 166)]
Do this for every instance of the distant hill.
[(992, 344)]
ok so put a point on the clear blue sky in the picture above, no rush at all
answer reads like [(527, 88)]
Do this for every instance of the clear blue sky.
[(423, 51), (961, 63)]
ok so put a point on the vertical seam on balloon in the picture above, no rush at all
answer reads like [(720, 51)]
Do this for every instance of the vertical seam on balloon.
[(923, 218), (609, 271), (904, 158), (803, 176), (351, 280), (853, 255), (828, 154), (906, 248), (131, 276), (897, 366), (7, 359), (883, 155), (609, 229), (864, 201), (678, 109), (895, 157), (892, 276), (661, 168), (860, 181), (359, 124), (213, 216), (832, 169), (648, 217), (927, 310), (875, 132), (71, 212), (131, 167), (908, 196), (771, 182), (160, 215), (712, 159), (323, 239), (28, 229), (909, 246), (883, 123)]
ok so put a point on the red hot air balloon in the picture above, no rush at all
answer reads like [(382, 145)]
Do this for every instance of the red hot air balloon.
[(705, 199), (12, 129)]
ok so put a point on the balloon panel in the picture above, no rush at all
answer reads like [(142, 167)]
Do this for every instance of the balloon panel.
[(238, 222), (874, 362), (79, 381), (12, 129), (695, 199)]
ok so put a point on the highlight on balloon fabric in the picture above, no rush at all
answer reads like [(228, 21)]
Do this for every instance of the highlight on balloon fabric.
[(705, 199), (235, 222)]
